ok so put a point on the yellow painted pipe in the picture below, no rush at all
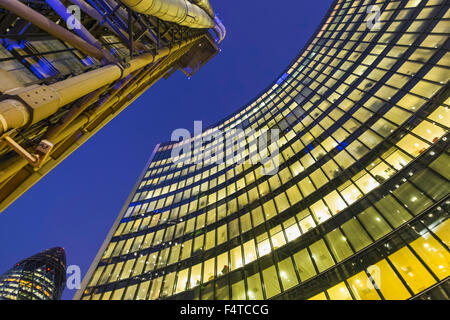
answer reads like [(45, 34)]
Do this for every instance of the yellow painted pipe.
[(16, 163), (78, 123), (179, 11)]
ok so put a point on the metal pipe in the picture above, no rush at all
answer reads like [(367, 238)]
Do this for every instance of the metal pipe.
[(13, 115), (88, 9), (73, 113), (205, 5), (179, 11), (16, 163), (52, 28), (61, 10), (30, 158), (94, 14), (43, 101), (219, 28)]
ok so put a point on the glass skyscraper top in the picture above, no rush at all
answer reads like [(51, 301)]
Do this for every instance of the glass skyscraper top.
[(40, 277), (358, 207)]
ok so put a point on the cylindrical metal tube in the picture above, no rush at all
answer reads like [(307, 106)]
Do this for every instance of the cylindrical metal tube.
[(61, 10), (13, 114), (205, 5), (179, 11), (94, 14), (86, 8)]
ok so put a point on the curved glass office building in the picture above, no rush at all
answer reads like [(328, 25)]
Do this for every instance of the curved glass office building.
[(358, 206), (40, 277)]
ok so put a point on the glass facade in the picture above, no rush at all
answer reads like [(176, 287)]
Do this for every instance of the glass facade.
[(40, 277), (359, 206)]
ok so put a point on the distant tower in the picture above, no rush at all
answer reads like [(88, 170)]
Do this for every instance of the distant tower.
[(40, 277), (68, 67)]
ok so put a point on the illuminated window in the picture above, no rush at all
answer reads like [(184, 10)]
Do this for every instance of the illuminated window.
[(411, 270)]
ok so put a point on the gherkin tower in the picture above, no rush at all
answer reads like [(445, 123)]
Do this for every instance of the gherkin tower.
[(358, 208), (40, 277)]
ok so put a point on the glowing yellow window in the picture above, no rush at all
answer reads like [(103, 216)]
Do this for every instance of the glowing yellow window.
[(339, 292), (433, 254), (208, 271), (429, 131), (282, 202), (443, 232), (351, 194), (335, 202), (278, 239), (293, 194), (425, 89), (249, 251), (271, 282), (381, 172), (413, 145), (307, 224), (118, 294), (236, 258), (269, 209), (320, 211), (296, 168), (412, 271), (320, 296), (182, 280), (441, 115), (254, 287), (366, 183), (410, 102), (306, 186), (264, 246), (321, 255), (222, 264), (362, 287), (287, 274), (387, 281), (292, 232), (156, 287), (398, 159), (196, 273)]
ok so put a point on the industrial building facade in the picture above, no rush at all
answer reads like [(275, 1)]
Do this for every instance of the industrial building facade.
[(68, 67), (358, 208)]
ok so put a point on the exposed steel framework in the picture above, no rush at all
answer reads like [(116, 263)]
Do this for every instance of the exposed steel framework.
[(68, 67)]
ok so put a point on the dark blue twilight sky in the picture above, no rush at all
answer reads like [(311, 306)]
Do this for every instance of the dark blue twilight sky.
[(76, 204)]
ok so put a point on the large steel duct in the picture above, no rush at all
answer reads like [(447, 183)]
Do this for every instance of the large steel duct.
[(205, 5), (198, 15), (179, 11), (219, 29)]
